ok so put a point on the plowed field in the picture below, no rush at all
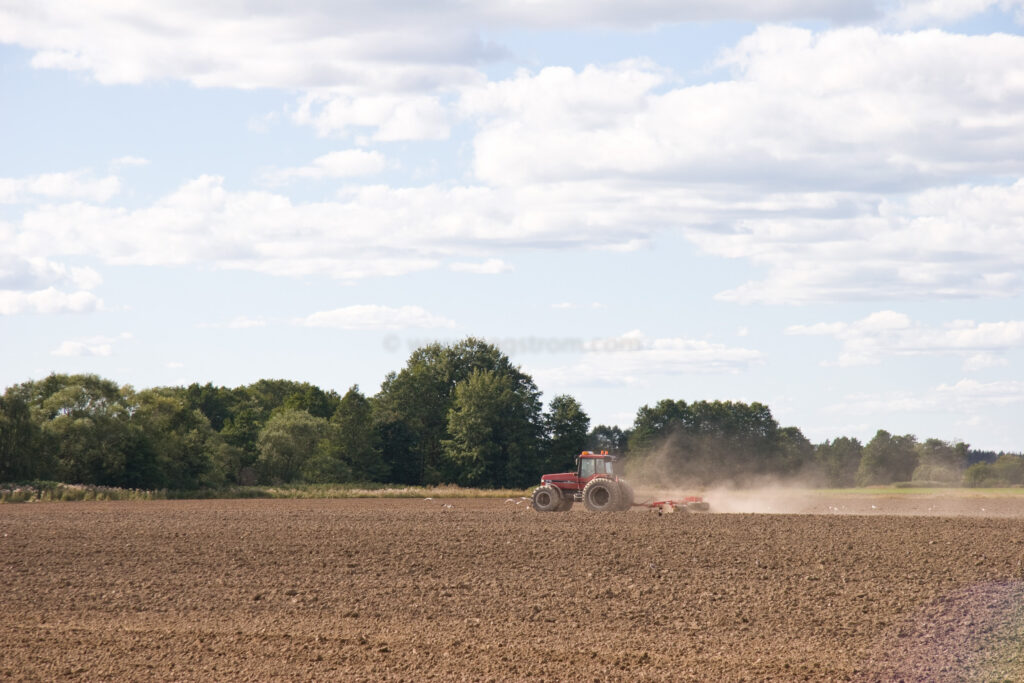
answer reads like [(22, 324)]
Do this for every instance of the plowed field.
[(488, 590)]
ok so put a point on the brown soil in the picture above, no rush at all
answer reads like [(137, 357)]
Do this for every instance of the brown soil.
[(487, 589)]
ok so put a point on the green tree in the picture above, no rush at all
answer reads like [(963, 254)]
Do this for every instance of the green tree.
[(326, 464), (565, 427), (940, 461), (795, 454), (716, 440), (359, 442), (887, 459), (21, 455), (250, 407), (399, 450), (608, 438), (216, 403), (86, 429), (839, 461), (288, 440), (654, 425), (1009, 468), (494, 432), (421, 395), (181, 439)]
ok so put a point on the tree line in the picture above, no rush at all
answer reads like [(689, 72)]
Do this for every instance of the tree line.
[(459, 413)]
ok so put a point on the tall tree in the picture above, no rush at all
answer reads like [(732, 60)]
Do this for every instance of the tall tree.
[(887, 459), (709, 441), (180, 437), (940, 461), (86, 429), (288, 440), (839, 460), (21, 455), (653, 425), (565, 426), (358, 440), (494, 432), (795, 454), (609, 438), (421, 395)]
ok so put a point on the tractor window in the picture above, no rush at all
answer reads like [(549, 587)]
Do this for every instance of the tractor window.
[(587, 467)]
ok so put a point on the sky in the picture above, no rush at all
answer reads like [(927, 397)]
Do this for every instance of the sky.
[(813, 204)]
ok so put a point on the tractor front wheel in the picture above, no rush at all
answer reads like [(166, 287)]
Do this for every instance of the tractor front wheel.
[(547, 499), (602, 495)]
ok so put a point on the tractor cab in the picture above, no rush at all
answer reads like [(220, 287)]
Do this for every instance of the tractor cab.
[(589, 464)]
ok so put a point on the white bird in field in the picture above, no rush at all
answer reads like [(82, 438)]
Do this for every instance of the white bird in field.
[(428, 499)]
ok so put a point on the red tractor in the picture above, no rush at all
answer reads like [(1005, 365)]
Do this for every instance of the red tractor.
[(598, 484)]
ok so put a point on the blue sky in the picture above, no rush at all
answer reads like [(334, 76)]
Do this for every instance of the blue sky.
[(814, 204)]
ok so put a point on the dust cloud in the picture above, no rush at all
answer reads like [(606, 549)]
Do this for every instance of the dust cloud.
[(660, 474), (676, 468)]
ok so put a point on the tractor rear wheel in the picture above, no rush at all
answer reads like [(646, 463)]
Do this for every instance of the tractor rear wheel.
[(627, 496), (547, 499), (602, 495)]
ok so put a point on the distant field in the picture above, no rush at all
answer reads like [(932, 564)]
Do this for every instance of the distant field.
[(944, 491), (57, 492), (764, 499)]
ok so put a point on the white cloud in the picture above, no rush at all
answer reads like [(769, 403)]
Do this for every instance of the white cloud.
[(49, 300), (368, 230), (964, 241), (130, 161), (81, 348), (914, 13), (370, 317), (566, 305), (983, 361), (790, 165), (346, 163), (382, 65), (965, 399), (91, 346), (38, 273), (489, 267), (888, 333), (808, 162), (38, 285), (58, 186), (798, 114), (634, 358), (394, 117), (309, 44), (239, 322)]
